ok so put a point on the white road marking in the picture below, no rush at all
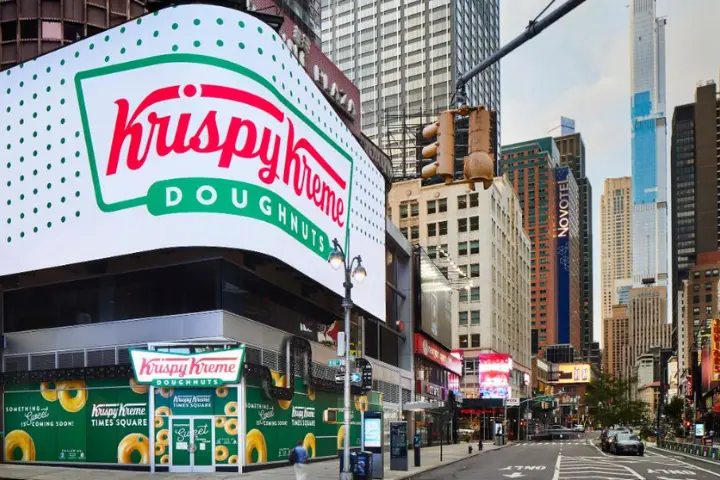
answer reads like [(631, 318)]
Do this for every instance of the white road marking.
[(556, 473), (691, 465)]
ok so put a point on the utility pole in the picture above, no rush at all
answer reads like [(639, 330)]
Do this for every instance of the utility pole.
[(533, 29)]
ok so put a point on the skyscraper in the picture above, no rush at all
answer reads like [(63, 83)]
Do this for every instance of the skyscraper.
[(405, 56), (694, 173), (649, 132), (615, 243), (572, 154), (531, 167)]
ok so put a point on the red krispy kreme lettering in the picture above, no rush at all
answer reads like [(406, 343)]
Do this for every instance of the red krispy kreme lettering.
[(143, 132), (189, 366)]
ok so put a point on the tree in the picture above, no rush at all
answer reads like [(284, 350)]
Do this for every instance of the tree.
[(674, 413), (609, 402)]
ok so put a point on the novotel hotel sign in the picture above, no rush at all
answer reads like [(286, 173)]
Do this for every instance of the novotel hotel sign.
[(562, 179)]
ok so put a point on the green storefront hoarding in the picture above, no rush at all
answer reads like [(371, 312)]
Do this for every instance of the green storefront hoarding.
[(221, 403), (273, 427), (100, 421)]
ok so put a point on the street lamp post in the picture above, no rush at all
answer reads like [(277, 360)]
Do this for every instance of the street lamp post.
[(353, 270)]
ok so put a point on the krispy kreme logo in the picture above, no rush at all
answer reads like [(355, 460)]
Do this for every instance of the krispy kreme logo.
[(204, 369), (115, 410), (216, 145)]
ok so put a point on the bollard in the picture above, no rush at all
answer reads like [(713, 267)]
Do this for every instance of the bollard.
[(469, 448), (480, 446)]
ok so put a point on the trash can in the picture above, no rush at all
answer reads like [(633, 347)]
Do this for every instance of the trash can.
[(499, 440), (363, 467)]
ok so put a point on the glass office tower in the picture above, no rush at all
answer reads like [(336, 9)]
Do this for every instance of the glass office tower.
[(649, 157)]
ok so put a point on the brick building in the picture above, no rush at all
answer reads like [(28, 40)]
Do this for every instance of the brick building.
[(530, 167)]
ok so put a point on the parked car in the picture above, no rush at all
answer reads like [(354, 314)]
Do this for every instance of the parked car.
[(579, 428), (624, 442)]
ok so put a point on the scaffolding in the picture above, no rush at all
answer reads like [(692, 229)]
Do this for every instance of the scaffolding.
[(399, 141)]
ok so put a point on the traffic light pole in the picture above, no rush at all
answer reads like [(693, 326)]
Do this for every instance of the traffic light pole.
[(532, 30)]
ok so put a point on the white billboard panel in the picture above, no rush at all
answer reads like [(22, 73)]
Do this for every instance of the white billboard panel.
[(194, 126)]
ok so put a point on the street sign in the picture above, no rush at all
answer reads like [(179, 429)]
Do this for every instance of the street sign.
[(355, 377), (512, 402), (339, 362)]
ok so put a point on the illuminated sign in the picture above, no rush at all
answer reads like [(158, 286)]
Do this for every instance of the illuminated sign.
[(574, 373), (190, 127), (563, 208), (430, 350), (562, 252), (494, 371), (715, 349)]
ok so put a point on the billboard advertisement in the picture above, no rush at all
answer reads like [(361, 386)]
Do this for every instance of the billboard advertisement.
[(77, 421), (192, 126), (574, 373), (494, 371), (435, 300), (562, 246), (715, 349)]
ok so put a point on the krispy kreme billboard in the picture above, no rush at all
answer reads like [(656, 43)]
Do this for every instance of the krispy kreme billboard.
[(195, 126)]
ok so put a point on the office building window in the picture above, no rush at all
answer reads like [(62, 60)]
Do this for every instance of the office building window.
[(432, 229), (403, 210), (463, 295), (462, 202), (443, 227), (463, 318), (414, 232), (474, 200), (474, 224), (463, 341), (462, 248), (414, 209), (475, 294), (431, 207), (442, 205), (475, 340), (462, 224), (475, 270), (474, 246), (475, 318)]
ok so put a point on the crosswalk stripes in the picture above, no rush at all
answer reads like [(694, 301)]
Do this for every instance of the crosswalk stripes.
[(556, 443), (584, 468)]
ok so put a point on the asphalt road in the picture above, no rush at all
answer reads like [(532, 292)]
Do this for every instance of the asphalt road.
[(574, 460)]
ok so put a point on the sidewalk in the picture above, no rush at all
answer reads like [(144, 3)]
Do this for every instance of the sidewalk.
[(430, 459)]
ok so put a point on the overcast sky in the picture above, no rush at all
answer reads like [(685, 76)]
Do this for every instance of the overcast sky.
[(580, 68)]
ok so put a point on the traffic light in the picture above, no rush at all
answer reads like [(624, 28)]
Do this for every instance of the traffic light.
[(444, 147), (478, 165)]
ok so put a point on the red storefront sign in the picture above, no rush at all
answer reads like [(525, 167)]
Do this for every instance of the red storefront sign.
[(433, 351), (715, 349)]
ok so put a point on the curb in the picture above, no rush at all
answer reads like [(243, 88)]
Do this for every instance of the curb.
[(691, 457), (445, 464)]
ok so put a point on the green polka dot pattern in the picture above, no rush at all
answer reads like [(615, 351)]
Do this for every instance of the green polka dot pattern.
[(59, 182)]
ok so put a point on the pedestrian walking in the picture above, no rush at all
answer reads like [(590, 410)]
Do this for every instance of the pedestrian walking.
[(298, 457)]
